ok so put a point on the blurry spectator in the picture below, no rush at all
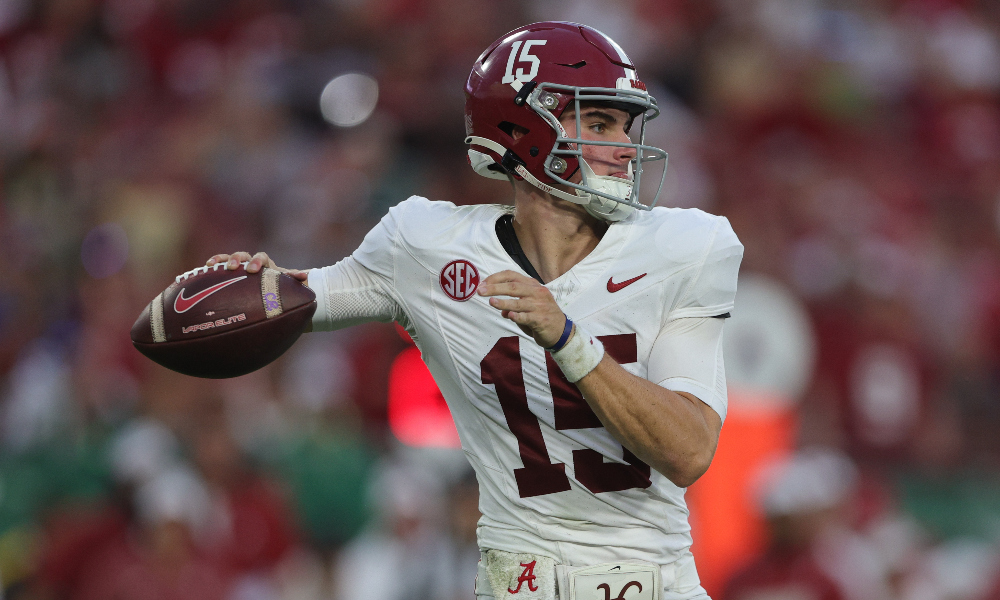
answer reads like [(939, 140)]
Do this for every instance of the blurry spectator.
[(881, 375), (407, 540), (38, 402), (161, 560), (962, 569), (74, 539), (141, 450), (327, 465), (76, 536), (804, 498), (463, 551), (250, 526)]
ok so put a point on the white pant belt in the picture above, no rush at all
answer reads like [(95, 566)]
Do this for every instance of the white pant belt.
[(523, 576)]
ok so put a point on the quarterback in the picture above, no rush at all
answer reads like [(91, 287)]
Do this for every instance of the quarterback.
[(576, 336)]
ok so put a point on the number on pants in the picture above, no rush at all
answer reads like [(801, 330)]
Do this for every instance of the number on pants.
[(502, 368)]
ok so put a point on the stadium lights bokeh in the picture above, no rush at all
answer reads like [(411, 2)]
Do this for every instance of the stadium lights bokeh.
[(349, 99)]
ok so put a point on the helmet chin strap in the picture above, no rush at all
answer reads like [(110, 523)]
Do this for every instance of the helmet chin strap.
[(602, 208)]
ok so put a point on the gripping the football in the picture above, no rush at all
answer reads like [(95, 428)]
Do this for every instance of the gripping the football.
[(254, 264), (217, 323)]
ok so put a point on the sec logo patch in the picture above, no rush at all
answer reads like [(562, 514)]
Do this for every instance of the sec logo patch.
[(459, 279)]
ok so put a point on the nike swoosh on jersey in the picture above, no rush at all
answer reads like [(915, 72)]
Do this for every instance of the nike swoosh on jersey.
[(614, 287), (182, 304)]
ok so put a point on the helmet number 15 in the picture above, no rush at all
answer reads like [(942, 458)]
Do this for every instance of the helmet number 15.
[(526, 56)]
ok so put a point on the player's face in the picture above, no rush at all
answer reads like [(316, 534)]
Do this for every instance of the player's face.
[(603, 124)]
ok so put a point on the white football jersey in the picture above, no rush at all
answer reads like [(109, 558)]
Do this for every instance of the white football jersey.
[(552, 480)]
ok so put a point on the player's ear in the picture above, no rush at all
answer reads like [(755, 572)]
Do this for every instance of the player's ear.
[(513, 130)]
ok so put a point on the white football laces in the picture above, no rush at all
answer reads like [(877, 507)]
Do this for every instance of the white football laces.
[(202, 271)]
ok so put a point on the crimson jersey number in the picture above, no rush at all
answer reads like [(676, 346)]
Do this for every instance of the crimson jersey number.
[(539, 476)]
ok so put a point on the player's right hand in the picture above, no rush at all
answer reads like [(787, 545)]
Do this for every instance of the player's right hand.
[(254, 263), (530, 305)]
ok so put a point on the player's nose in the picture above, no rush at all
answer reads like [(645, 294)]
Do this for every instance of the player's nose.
[(623, 154)]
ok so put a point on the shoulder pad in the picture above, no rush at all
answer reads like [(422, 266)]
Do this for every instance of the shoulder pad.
[(425, 224), (682, 234)]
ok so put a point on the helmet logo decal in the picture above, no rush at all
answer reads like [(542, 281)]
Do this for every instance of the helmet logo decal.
[(526, 56), (625, 83)]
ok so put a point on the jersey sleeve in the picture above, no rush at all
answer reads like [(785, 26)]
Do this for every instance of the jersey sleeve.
[(687, 357), (377, 251), (348, 293), (712, 289), (361, 287)]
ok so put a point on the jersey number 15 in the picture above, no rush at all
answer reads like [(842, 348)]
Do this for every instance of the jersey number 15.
[(502, 368)]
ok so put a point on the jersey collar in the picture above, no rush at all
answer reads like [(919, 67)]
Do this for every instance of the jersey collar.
[(567, 286)]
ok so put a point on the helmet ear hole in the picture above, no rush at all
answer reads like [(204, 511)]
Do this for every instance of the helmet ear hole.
[(514, 130)]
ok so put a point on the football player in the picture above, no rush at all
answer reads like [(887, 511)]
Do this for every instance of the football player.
[(577, 336)]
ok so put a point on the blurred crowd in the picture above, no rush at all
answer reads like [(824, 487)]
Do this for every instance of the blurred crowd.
[(853, 144)]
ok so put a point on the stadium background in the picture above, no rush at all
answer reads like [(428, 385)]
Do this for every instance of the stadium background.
[(854, 145)]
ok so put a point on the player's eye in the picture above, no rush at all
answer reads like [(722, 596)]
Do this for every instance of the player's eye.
[(598, 128)]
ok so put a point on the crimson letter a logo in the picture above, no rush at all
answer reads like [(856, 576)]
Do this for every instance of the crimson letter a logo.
[(527, 575)]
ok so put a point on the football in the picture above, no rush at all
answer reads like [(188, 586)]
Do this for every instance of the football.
[(218, 323)]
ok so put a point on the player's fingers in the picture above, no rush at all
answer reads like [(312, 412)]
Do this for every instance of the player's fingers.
[(302, 276), (513, 304), (521, 318), (218, 258), (506, 276), (236, 258), (496, 288), (517, 289), (525, 328), (258, 261)]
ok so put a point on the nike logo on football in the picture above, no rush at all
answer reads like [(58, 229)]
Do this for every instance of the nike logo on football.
[(182, 304), (614, 287)]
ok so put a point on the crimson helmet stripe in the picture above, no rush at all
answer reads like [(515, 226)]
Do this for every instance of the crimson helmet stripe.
[(629, 73)]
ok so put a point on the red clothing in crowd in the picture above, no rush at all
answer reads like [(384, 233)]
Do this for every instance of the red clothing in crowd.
[(261, 529), (783, 574)]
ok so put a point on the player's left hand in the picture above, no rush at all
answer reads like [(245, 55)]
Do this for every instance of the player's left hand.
[(531, 305)]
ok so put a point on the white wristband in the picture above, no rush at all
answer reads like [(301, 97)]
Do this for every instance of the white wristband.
[(580, 355)]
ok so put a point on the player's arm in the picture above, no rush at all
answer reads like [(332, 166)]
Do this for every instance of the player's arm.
[(361, 287), (674, 432), (347, 293)]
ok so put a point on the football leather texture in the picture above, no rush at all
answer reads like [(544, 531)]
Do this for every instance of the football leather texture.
[(218, 323)]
